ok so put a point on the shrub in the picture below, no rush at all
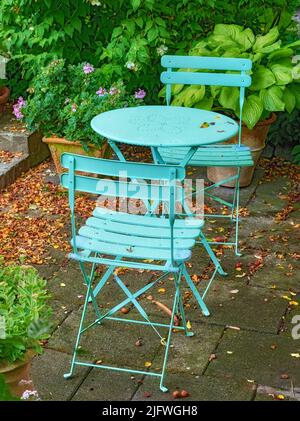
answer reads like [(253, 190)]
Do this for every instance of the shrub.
[(121, 33), (275, 74), (24, 309), (64, 98)]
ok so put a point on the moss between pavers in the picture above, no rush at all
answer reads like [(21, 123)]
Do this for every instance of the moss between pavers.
[(47, 375), (259, 357), (200, 388)]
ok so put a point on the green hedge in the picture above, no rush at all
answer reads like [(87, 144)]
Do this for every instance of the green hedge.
[(125, 37)]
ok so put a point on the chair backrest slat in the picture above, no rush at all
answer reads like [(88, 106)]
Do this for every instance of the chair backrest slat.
[(210, 63), (214, 79), (109, 167), (113, 188)]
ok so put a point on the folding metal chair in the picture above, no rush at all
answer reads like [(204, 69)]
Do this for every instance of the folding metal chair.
[(219, 155), (119, 239)]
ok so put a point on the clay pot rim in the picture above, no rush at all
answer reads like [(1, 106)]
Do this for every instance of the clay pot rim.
[(4, 90), (6, 366), (63, 141)]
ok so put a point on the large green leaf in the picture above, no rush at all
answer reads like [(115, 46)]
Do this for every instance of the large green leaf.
[(262, 78), (229, 97), (252, 111), (281, 53), (193, 94), (283, 74), (296, 91), (289, 100), (265, 40), (270, 48), (234, 33), (205, 104), (272, 98)]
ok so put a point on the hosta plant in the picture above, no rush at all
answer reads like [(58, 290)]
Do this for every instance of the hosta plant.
[(275, 74), (24, 312)]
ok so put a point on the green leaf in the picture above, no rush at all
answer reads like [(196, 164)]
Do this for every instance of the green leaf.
[(59, 17), (271, 48), (152, 34), (229, 97), (289, 100), (76, 23), (296, 91), (193, 94), (272, 99), (283, 74), (205, 104), (262, 78), (135, 4), (252, 111), (281, 53), (265, 40)]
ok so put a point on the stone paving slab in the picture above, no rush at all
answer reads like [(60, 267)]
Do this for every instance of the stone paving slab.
[(191, 354), (113, 343), (200, 388), (104, 385), (244, 306), (259, 357), (47, 374), (281, 272)]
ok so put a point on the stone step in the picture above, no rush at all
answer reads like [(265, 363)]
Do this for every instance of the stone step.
[(27, 145)]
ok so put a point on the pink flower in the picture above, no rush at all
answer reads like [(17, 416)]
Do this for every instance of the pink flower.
[(140, 94), (101, 92), (88, 68), (74, 107), (17, 108)]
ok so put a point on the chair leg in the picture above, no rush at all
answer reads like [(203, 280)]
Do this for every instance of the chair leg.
[(163, 388), (194, 290), (212, 254), (68, 375), (187, 332), (89, 280), (237, 253)]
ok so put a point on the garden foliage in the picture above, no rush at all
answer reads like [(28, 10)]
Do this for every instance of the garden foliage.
[(125, 37)]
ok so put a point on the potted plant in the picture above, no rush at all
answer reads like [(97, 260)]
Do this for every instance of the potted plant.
[(275, 86), (63, 100), (24, 323)]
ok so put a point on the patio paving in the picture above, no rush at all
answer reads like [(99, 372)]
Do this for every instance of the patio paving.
[(243, 351)]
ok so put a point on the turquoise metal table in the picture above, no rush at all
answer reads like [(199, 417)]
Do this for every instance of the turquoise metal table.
[(163, 126)]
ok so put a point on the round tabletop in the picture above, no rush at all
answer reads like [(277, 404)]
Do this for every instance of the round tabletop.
[(160, 126)]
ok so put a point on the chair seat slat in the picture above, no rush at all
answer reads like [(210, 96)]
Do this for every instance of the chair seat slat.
[(130, 240), (134, 252)]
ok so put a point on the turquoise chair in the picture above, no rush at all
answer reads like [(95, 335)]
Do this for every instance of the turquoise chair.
[(219, 155), (119, 239)]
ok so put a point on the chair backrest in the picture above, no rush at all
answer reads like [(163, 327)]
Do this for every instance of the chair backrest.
[(237, 65), (152, 183)]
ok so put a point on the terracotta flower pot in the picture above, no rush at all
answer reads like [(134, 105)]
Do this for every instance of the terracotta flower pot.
[(4, 95), (256, 140), (17, 374), (58, 146)]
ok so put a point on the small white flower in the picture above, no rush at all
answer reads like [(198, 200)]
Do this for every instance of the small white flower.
[(30, 393), (131, 66), (31, 28), (161, 50)]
